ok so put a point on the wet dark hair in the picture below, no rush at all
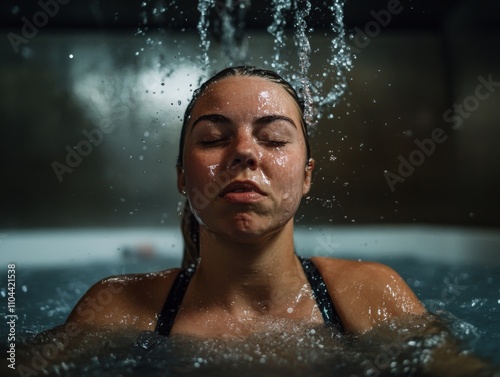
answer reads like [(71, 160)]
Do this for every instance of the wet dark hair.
[(190, 226)]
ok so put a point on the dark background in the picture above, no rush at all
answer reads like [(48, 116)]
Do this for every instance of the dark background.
[(428, 58)]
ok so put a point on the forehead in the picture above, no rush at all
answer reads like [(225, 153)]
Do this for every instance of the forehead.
[(250, 95)]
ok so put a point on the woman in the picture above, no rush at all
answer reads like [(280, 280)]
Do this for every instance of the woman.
[(244, 165)]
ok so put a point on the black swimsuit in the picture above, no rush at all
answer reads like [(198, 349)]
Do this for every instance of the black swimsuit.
[(318, 286)]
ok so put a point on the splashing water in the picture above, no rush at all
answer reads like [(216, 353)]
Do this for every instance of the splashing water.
[(277, 28), (204, 7), (316, 97), (304, 52), (389, 350), (320, 92), (341, 59), (231, 14), (232, 25), (400, 347)]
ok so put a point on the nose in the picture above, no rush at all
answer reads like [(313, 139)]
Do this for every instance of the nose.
[(243, 154)]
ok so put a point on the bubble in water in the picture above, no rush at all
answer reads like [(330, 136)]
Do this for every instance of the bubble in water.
[(147, 341)]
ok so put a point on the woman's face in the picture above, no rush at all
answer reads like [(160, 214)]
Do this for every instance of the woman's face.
[(244, 164)]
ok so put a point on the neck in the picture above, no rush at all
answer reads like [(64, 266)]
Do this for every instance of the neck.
[(252, 276)]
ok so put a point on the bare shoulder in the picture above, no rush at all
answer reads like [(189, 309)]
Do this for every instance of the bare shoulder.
[(365, 293), (345, 270), (131, 300)]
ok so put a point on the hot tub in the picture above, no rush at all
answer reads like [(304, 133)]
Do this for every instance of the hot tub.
[(454, 271)]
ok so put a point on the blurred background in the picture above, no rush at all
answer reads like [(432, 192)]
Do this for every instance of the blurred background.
[(120, 73)]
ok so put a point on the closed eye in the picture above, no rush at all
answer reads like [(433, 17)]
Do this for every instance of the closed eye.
[(275, 143), (213, 142), (272, 138)]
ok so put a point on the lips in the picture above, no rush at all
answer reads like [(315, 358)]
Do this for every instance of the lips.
[(242, 191)]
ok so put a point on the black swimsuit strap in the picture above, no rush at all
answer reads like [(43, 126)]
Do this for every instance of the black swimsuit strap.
[(321, 294), (173, 302), (181, 282)]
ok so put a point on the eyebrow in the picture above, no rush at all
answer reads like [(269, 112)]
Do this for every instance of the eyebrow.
[(272, 118), (218, 118)]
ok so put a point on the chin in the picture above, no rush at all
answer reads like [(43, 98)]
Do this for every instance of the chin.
[(248, 231), (244, 226)]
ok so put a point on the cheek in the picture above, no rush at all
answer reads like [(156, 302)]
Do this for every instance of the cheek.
[(197, 174), (289, 172), (204, 181)]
